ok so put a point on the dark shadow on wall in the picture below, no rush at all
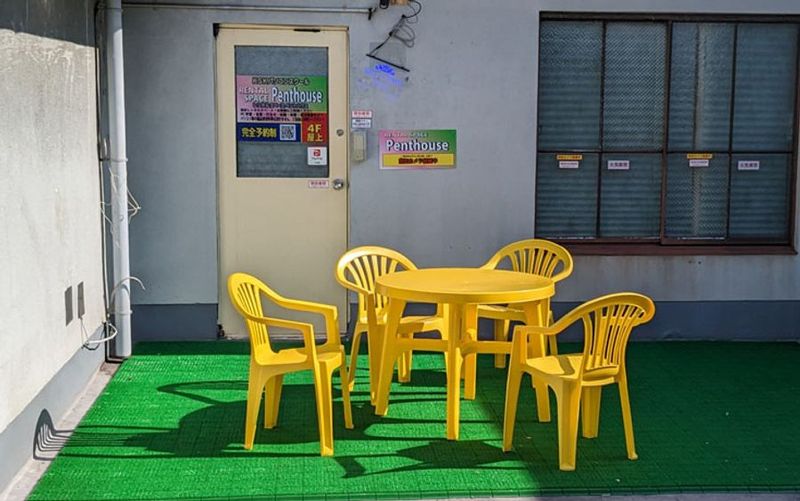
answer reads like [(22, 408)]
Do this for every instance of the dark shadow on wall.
[(66, 20)]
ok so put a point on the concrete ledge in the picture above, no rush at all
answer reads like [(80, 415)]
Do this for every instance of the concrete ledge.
[(174, 322), (21, 440), (712, 320), (684, 320), (678, 320)]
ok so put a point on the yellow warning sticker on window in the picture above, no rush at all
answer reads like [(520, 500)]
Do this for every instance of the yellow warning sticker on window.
[(699, 156), (569, 157)]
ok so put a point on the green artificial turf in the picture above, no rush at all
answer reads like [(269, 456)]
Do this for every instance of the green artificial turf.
[(707, 417)]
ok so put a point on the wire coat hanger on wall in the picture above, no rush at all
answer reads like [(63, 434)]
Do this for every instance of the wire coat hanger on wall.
[(401, 31)]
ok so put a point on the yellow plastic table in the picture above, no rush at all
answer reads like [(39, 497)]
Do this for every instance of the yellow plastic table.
[(459, 291)]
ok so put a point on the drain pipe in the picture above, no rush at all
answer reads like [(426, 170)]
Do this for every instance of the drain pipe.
[(121, 297)]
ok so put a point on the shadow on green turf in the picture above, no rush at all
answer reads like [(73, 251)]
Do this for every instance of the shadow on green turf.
[(192, 437)]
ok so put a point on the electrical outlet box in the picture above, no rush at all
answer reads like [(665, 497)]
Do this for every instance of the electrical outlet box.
[(69, 312), (81, 301), (358, 145)]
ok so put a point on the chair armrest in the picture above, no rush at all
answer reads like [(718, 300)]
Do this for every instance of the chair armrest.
[(305, 328), (353, 287), (330, 312), (529, 330), (308, 306), (550, 330), (490, 264)]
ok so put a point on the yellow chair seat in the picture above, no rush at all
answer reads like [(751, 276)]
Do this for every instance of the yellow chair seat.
[(293, 356), (566, 367), (499, 312)]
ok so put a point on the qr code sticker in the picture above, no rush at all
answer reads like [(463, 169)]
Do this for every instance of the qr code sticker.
[(288, 132)]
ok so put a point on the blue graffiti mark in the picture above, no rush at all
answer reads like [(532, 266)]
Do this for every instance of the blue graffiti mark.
[(385, 68), (381, 77)]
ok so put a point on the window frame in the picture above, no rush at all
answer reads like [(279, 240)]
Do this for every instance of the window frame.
[(663, 245)]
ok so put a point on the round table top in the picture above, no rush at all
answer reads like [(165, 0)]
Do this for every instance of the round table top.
[(464, 285)]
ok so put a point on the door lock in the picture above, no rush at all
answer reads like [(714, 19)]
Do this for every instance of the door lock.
[(338, 184)]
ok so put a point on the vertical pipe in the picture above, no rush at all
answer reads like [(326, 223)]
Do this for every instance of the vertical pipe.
[(119, 179)]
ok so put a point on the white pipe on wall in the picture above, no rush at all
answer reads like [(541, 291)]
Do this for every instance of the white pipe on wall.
[(119, 179), (258, 8)]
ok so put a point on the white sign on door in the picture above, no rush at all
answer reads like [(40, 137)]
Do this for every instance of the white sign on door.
[(360, 123), (361, 114), (318, 155)]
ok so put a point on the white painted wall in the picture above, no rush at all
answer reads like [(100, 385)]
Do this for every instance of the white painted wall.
[(474, 68), (50, 233)]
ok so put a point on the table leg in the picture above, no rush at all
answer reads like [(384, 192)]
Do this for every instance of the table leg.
[(470, 333), (389, 353), (534, 315), (453, 313)]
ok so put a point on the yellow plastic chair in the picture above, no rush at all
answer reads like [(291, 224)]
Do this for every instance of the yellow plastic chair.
[(357, 271), (534, 256), (267, 366), (577, 379)]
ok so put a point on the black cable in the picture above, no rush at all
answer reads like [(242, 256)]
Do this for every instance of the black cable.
[(402, 32)]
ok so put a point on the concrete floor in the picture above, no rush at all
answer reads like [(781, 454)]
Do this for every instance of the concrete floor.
[(26, 479)]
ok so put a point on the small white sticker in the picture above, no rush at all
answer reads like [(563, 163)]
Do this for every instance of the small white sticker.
[(698, 162), (568, 164), (748, 165), (361, 123), (317, 184), (619, 165), (361, 114), (318, 155)]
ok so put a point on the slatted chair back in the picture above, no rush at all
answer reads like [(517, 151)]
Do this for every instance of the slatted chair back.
[(534, 256)]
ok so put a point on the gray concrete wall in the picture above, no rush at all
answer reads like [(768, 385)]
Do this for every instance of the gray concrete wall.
[(50, 221), (474, 69)]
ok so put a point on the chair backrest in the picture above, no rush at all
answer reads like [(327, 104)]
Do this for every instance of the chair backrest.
[(607, 325), (245, 292), (358, 268), (535, 256)]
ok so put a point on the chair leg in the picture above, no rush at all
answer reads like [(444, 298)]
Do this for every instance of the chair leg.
[(501, 334), (388, 355), (272, 400), (322, 388), (255, 388), (374, 344), (343, 377), (512, 399), (568, 397), (404, 365), (627, 420), (470, 367), (590, 410), (387, 363), (552, 346), (354, 347)]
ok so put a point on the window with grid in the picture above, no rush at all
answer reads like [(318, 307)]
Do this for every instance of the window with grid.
[(666, 131)]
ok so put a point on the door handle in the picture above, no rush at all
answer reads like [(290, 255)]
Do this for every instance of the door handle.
[(338, 184)]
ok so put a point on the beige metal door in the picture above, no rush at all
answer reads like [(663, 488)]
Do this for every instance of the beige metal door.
[(283, 155)]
